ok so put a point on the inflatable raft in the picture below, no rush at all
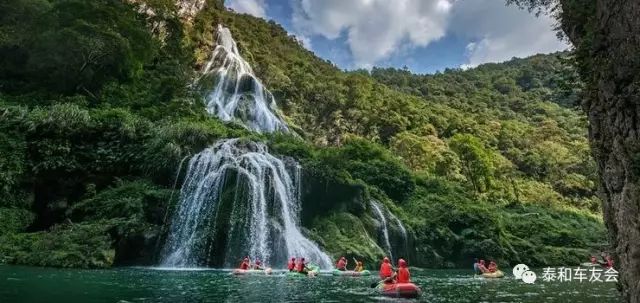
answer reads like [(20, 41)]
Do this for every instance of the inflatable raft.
[(313, 271), (399, 290), (240, 272), (493, 275), (589, 264), (351, 273)]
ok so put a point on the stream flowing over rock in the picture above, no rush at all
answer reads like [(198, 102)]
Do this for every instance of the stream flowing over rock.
[(381, 213), (237, 200), (234, 92)]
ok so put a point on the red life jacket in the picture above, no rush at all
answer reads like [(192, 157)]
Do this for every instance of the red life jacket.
[(244, 266), (403, 275), (300, 267), (386, 270), (341, 264), (291, 265)]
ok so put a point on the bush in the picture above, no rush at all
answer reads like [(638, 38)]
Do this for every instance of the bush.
[(86, 245)]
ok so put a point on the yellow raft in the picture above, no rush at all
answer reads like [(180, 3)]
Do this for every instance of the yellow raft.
[(493, 275)]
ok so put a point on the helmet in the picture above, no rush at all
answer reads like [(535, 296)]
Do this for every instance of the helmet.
[(402, 263), (293, 258)]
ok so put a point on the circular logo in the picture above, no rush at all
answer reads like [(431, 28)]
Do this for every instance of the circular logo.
[(529, 277), (519, 269)]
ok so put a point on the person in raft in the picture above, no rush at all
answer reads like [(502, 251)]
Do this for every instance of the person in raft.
[(493, 267), (342, 264), (302, 267), (482, 268), (291, 265), (386, 271), (359, 267), (257, 265), (609, 263), (245, 265), (476, 266), (403, 275), (594, 260)]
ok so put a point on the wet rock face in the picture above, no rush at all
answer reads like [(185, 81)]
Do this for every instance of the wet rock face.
[(613, 107)]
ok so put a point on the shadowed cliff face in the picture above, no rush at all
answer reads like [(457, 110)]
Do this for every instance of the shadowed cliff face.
[(607, 38)]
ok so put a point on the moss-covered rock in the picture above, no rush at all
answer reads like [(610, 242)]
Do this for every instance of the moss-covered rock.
[(343, 234)]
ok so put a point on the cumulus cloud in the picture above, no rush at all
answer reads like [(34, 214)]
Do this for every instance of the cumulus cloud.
[(374, 29), (498, 32), (252, 7)]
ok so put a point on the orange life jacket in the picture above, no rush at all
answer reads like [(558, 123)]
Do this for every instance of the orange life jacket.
[(403, 275)]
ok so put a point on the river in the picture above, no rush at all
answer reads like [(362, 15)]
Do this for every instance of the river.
[(130, 284)]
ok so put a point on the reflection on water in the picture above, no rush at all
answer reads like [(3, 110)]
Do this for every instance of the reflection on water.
[(28, 284)]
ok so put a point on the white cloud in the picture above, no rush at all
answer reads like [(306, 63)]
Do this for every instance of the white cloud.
[(498, 32), (375, 29), (306, 41), (252, 7)]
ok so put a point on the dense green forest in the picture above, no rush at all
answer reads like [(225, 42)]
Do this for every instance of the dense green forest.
[(97, 112)]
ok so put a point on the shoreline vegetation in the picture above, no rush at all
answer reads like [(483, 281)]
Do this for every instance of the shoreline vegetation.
[(97, 114)]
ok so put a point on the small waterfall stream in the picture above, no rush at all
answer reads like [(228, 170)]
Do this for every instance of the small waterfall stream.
[(386, 217), (385, 231)]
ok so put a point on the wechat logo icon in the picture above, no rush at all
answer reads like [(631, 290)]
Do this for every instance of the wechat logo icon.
[(519, 269), (522, 272), (529, 277)]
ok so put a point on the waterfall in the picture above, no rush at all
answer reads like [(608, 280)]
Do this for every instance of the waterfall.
[(382, 213), (234, 92), (218, 220), (403, 231), (385, 232)]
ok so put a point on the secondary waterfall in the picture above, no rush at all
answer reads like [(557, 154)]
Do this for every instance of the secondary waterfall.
[(234, 92), (386, 218), (385, 231), (237, 200)]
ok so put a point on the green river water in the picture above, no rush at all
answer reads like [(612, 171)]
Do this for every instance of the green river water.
[(31, 284)]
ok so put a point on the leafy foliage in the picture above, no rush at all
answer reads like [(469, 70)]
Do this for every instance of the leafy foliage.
[(97, 114)]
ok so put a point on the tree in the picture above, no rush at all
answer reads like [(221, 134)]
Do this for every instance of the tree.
[(477, 164), (73, 46)]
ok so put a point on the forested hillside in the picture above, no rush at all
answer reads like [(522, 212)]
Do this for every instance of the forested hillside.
[(98, 110)]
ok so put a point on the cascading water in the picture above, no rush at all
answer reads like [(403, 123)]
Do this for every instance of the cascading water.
[(237, 199), (383, 221), (264, 209), (382, 213), (234, 92)]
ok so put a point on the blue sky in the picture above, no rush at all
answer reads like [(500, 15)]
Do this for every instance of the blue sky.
[(424, 35)]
